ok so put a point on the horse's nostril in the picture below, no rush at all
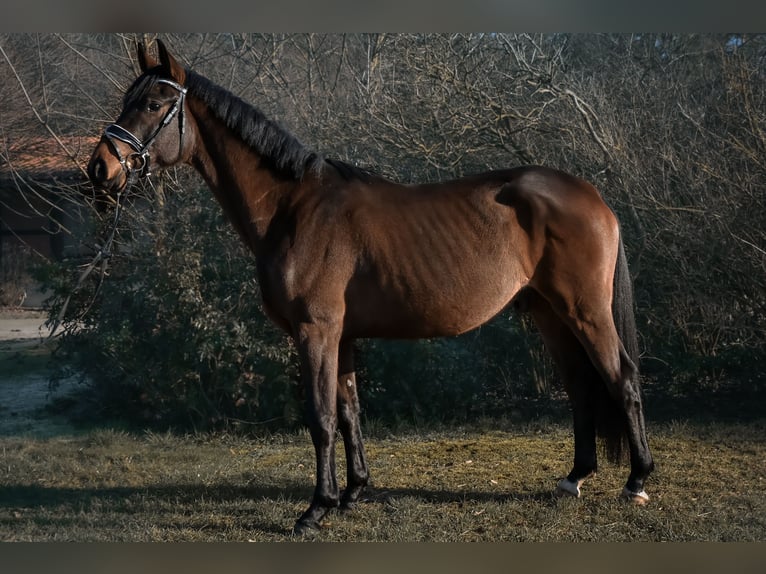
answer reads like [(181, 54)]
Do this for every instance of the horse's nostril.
[(98, 170)]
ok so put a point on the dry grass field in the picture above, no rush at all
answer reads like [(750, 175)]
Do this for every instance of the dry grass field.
[(491, 481), (472, 484)]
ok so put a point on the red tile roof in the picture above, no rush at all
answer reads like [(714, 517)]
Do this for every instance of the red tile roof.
[(45, 157)]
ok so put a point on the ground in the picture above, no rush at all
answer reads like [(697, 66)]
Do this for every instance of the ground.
[(22, 325), (492, 481), (24, 381)]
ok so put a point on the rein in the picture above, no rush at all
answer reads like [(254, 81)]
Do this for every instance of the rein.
[(135, 165), (102, 256)]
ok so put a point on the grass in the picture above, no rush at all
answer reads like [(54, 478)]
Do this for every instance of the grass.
[(26, 396), (491, 481), (21, 358), (462, 484)]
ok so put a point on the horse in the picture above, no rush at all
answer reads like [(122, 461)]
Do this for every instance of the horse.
[(343, 253)]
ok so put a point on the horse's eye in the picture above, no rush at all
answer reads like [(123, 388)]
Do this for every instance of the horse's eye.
[(153, 107)]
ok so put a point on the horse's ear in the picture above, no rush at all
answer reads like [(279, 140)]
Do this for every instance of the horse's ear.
[(145, 60), (170, 64)]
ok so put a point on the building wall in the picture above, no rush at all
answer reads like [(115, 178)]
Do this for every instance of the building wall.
[(30, 234)]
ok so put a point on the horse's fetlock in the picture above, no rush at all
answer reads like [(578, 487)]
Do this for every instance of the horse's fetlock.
[(329, 501)]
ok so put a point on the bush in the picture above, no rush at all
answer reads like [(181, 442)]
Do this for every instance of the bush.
[(176, 337), (16, 261), (498, 371), (669, 127)]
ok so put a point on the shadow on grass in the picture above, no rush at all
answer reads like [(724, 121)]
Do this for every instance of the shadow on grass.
[(389, 496), (68, 503)]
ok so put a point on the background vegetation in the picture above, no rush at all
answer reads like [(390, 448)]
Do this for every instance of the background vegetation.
[(671, 129)]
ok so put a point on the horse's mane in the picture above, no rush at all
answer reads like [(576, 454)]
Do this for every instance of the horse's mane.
[(271, 141), (281, 149)]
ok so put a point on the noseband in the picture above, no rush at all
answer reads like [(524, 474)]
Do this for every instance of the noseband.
[(139, 160)]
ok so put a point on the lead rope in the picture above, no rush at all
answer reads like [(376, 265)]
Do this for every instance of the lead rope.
[(102, 256)]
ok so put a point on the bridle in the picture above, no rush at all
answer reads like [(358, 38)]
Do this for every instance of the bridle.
[(136, 164), (138, 167)]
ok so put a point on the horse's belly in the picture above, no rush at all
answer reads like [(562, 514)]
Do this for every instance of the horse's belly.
[(434, 312)]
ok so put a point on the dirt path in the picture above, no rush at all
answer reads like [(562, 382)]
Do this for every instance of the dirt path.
[(22, 325)]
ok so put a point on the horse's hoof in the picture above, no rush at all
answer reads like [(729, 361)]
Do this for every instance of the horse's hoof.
[(637, 498), (305, 528), (566, 488)]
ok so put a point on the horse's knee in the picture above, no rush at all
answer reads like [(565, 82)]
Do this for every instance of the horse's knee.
[(322, 429)]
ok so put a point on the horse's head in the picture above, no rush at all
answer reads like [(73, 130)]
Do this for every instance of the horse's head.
[(151, 130)]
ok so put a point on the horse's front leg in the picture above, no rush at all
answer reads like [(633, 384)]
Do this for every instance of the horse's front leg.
[(318, 352)]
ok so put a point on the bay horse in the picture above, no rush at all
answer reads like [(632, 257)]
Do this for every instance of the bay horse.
[(344, 254)]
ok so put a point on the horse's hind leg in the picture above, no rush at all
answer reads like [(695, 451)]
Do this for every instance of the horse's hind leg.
[(578, 375), (350, 427), (621, 376), (590, 319)]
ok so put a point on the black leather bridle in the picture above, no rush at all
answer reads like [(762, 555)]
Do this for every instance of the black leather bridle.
[(138, 167), (136, 164)]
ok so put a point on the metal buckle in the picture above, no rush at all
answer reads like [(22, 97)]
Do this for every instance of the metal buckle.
[(139, 162)]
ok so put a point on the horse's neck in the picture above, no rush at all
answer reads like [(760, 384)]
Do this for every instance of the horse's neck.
[(245, 186)]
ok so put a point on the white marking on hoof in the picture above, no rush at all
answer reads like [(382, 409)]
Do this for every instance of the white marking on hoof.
[(637, 498), (349, 383), (566, 487)]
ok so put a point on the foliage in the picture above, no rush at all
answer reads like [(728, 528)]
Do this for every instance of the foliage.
[(14, 273), (670, 127), (176, 336), (500, 370)]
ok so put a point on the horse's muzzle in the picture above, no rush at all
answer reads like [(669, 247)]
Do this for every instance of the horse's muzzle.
[(105, 171)]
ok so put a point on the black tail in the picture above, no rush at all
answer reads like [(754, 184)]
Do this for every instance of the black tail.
[(610, 417), (623, 306)]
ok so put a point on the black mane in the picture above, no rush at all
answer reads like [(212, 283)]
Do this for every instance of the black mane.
[(277, 146), (282, 150)]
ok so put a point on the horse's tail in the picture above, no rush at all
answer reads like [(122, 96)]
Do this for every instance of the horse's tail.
[(610, 417), (623, 306)]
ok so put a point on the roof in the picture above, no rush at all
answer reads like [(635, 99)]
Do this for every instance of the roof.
[(46, 158)]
